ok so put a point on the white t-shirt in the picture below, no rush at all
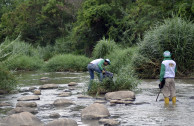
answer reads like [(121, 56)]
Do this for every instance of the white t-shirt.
[(170, 66)]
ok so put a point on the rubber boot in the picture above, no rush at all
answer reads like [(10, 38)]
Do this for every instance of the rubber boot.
[(173, 100), (166, 101)]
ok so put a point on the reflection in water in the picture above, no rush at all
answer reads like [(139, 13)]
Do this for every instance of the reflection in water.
[(144, 111)]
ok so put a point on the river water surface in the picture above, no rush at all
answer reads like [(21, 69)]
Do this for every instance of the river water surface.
[(144, 111)]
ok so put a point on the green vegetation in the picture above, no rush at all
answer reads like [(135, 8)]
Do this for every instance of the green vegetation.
[(8, 81), (124, 75), (175, 35), (67, 62), (26, 63), (103, 48)]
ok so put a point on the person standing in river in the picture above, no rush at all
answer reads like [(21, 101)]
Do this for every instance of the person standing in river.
[(167, 74), (96, 65)]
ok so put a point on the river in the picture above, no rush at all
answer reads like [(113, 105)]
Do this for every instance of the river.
[(145, 110)]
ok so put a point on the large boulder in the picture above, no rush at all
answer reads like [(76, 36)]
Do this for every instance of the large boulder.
[(120, 95), (26, 104), (49, 86), (21, 119), (29, 98), (95, 111), (62, 122), (63, 102)]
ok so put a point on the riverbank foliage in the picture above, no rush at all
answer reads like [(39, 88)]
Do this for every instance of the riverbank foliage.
[(67, 62), (175, 35)]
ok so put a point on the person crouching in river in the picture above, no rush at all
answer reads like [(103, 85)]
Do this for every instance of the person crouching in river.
[(167, 73), (96, 65)]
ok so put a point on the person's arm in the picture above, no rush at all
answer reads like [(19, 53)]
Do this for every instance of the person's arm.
[(162, 71), (175, 69), (100, 64)]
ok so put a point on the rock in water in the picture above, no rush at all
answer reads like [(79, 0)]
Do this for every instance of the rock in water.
[(63, 102), (120, 95), (29, 98), (62, 122), (26, 104), (95, 111), (21, 119), (72, 84), (49, 86)]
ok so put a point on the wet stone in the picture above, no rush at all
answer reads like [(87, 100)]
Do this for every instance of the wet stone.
[(62, 122), (54, 115), (48, 86), (26, 104), (63, 102), (95, 111), (5, 104), (64, 94), (120, 95), (100, 101), (109, 122), (21, 119), (84, 96), (22, 109), (37, 92), (72, 84), (29, 98)]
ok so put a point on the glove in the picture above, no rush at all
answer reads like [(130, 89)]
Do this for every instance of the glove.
[(103, 71)]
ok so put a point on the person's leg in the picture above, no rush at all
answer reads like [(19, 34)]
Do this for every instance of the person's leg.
[(172, 90), (97, 69), (166, 91), (91, 72)]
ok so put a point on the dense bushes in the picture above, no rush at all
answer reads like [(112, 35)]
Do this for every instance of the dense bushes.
[(103, 48), (7, 79), (124, 75), (175, 35), (67, 62), (26, 63)]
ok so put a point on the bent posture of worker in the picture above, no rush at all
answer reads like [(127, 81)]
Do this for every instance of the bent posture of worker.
[(96, 65), (167, 73)]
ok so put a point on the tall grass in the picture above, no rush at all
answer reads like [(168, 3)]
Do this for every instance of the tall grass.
[(103, 48), (119, 58), (7, 79), (26, 63), (67, 62), (175, 35)]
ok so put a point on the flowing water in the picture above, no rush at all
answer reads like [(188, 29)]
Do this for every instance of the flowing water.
[(145, 110)]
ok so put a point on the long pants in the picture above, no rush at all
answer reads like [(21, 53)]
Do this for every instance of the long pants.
[(91, 68), (169, 90)]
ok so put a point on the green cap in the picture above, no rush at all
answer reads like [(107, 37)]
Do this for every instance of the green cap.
[(166, 54)]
